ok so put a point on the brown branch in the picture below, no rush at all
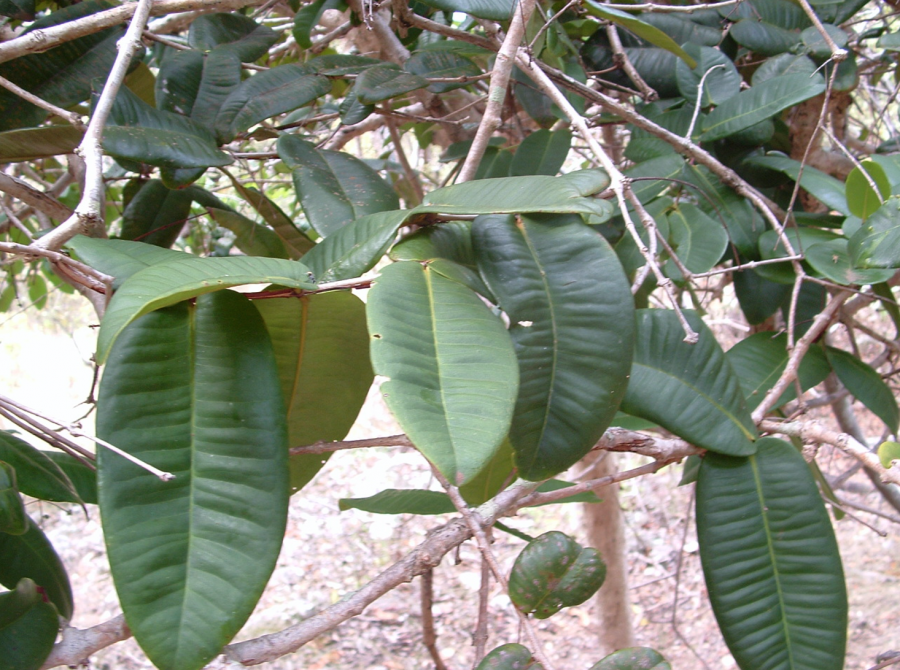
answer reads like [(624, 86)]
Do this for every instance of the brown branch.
[(83, 274), (411, 176), (77, 644), (31, 196), (480, 637), (429, 637), (621, 58), (71, 117)]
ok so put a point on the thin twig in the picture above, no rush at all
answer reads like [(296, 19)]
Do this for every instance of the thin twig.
[(93, 279), (837, 54), (480, 636), (429, 637), (71, 117), (699, 103), (621, 58), (411, 175)]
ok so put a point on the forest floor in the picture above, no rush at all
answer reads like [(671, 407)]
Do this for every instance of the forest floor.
[(328, 553)]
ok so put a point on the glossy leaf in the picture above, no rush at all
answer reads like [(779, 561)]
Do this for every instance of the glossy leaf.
[(509, 657), (877, 243), (688, 389), (28, 627), (633, 658), (832, 261), (268, 94), (241, 34), (571, 315), (866, 385), (28, 144), (862, 199), (553, 571), (193, 390), (169, 282), (760, 359), (385, 81), (31, 555), (322, 351), (493, 10), (120, 258), (250, 237), (654, 176), (771, 562), (334, 187), (36, 475), (156, 214), (451, 369), (644, 30), (195, 85), (13, 519), (758, 103), (541, 152), (698, 240), (771, 246), (355, 248)]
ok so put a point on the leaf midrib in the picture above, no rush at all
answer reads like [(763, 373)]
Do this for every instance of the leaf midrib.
[(437, 362)]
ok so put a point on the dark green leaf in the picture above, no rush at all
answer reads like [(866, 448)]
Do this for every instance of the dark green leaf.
[(451, 369), (13, 519), (441, 64), (509, 657), (22, 10), (37, 475), (194, 391), (195, 85), (633, 658), (771, 562), (401, 501), (866, 385), (490, 481), (877, 243), (156, 214), (699, 240), (542, 152), (250, 237), (28, 144), (644, 30), (721, 83), (16, 602), (308, 17), (493, 10), (689, 389), (385, 81), (571, 312), (828, 190), (82, 476), (242, 34), (654, 176), (28, 628)]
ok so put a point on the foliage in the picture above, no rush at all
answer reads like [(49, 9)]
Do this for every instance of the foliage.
[(514, 314)]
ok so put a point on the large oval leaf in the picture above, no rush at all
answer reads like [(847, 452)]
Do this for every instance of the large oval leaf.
[(28, 627), (451, 369), (689, 389), (169, 282), (156, 214), (28, 144), (120, 258), (194, 391), (877, 243), (866, 385), (333, 187), (322, 351), (572, 324), (771, 562), (240, 33), (196, 85), (541, 152)]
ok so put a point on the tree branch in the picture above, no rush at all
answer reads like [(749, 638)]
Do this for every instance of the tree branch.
[(33, 197)]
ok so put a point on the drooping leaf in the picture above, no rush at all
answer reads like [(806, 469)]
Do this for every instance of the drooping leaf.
[(37, 475), (268, 94), (866, 385), (13, 519), (633, 658), (441, 64), (493, 10), (760, 359), (877, 243), (355, 248), (334, 188), (322, 351), (31, 555), (571, 315), (451, 369), (511, 656), (771, 562), (28, 144), (242, 34), (541, 152), (553, 571), (698, 240), (832, 261), (758, 103), (385, 81), (195, 85), (155, 215), (28, 627), (642, 29), (250, 237), (862, 199), (828, 190), (193, 390), (689, 389), (169, 282), (120, 258)]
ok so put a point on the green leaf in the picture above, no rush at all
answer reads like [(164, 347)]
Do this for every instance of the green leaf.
[(334, 188), (155, 215), (267, 94), (877, 243), (553, 571), (760, 359), (195, 85), (385, 81), (194, 391), (451, 369), (441, 64), (509, 657), (322, 351), (759, 297), (242, 34), (13, 519), (828, 190), (633, 658), (28, 144), (308, 17), (120, 258), (771, 246), (170, 282), (862, 199), (82, 476), (493, 10), (37, 475), (571, 314), (61, 75), (723, 81), (644, 30), (866, 385), (541, 152), (31, 555), (141, 133), (832, 261), (538, 193), (352, 110), (250, 237), (28, 627), (489, 482), (771, 562), (401, 501), (758, 103), (18, 9), (813, 40), (655, 175), (888, 452), (699, 240), (355, 248), (688, 389)]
